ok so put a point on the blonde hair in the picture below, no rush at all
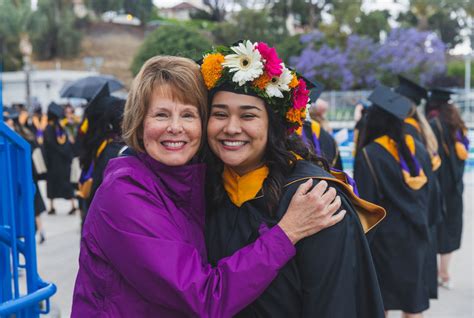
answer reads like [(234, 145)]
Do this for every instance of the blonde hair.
[(178, 77), (428, 135)]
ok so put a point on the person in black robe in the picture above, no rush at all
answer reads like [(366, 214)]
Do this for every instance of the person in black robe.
[(450, 132), (59, 155), (418, 127), (321, 142), (99, 143), (392, 169), (332, 274)]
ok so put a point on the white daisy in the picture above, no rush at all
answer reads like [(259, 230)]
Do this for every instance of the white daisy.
[(278, 84), (246, 63)]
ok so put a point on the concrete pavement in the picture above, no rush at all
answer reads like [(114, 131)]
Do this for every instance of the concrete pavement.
[(58, 262)]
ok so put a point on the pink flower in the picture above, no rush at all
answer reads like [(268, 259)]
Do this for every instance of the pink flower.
[(273, 65), (300, 95)]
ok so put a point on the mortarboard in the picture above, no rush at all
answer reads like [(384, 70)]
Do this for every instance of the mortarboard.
[(56, 110), (97, 104), (391, 102), (315, 91), (411, 90), (440, 94), (10, 113)]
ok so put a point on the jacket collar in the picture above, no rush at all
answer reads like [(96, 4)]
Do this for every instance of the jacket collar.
[(183, 184)]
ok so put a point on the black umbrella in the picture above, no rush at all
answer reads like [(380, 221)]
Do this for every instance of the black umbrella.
[(87, 87)]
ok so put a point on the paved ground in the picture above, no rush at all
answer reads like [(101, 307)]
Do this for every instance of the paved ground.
[(57, 262)]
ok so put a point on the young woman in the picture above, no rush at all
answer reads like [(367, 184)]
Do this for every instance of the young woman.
[(418, 127), (100, 142), (451, 133), (142, 251), (256, 104), (392, 169)]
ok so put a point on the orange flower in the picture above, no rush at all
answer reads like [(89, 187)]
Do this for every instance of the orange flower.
[(296, 116), (294, 82), (211, 69), (262, 81)]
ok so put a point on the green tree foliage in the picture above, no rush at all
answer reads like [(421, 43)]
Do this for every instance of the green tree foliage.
[(446, 17), (307, 12), (254, 25), (217, 9), (142, 9), (457, 69), (346, 12), (100, 6), (14, 17), (52, 30), (372, 24), (171, 40), (288, 47)]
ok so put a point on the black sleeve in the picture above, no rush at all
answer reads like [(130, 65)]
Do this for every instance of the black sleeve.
[(365, 179), (337, 273)]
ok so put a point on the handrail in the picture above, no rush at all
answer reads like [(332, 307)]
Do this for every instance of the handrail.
[(29, 300), (6, 238)]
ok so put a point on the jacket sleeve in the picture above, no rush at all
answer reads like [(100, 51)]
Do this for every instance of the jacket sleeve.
[(142, 241)]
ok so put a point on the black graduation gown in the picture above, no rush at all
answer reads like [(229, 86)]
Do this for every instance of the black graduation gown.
[(450, 177), (412, 131), (328, 145), (435, 215), (332, 274), (58, 161), (38, 203), (401, 243), (110, 151)]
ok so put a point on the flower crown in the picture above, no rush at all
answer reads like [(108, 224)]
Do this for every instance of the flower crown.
[(256, 69)]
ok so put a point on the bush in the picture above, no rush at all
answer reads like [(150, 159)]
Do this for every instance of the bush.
[(457, 69), (171, 40)]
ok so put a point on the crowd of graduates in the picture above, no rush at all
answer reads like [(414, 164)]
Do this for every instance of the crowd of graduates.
[(410, 148), (69, 152)]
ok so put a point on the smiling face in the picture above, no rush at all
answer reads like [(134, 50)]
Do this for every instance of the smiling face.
[(171, 130), (238, 130)]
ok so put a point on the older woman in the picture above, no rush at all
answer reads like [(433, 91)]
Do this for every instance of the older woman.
[(143, 251), (256, 104)]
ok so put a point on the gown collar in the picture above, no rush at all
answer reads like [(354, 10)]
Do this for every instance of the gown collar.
[(241, 189)]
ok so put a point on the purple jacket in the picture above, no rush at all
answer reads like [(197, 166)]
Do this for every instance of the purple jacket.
[(143, 252)]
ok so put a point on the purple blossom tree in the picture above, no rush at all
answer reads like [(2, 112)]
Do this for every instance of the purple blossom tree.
[(362, 63)]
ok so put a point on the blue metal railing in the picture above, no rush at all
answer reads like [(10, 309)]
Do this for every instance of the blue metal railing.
[(17, 230)]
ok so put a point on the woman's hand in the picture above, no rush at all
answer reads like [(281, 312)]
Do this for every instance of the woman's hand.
[(311, 211)]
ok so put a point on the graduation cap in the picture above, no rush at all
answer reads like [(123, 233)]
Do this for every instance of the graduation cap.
[(55, 110), (98, 104), (440, 95), (10, 113), (315, 91), (411, 90), (391, 102)]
